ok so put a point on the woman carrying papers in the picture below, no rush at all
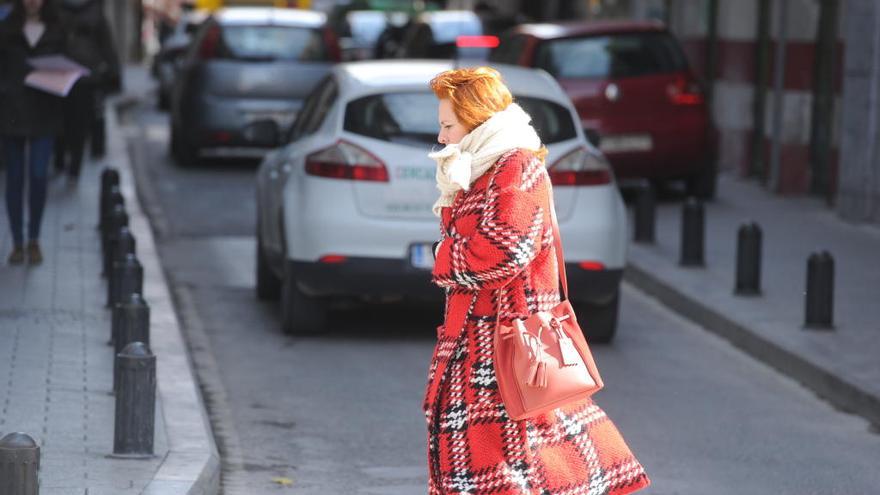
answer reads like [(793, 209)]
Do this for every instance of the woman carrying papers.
[(30, 119)]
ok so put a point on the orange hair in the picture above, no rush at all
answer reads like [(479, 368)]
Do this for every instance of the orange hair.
[(476, 94)]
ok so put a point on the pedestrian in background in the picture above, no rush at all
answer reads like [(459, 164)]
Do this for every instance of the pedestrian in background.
[(90, 43), (497, 261), (29, 119)]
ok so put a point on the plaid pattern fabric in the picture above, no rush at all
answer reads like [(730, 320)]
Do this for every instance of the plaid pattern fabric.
[(495, 236)]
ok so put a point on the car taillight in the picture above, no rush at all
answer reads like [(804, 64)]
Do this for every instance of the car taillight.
[(344, 160), (685, 91), (580, 168), (210, 43), (476, 42)]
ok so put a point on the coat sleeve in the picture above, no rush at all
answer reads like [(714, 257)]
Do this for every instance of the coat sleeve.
[(508, 233)]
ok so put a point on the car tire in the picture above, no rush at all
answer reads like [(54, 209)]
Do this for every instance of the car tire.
[(164, 101), (703, 183), (268, 284), (599, 321), (183, 154), (300, 313)]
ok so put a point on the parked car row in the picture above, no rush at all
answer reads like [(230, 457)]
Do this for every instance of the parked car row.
[(344, 189)]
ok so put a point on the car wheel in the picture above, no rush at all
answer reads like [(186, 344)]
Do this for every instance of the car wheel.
[(300, 313), (268, 284), (182, 153), (164, 102), (599, 321), (702, 184)]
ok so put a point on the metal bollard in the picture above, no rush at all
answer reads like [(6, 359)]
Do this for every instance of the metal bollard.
[(692, 237), (120, 246), (109, 178), (19, 463), (645, 215), (114, 198), (131, 323), (748, 260), (118, 219), (129, 275), (820, 291), (135, 402)]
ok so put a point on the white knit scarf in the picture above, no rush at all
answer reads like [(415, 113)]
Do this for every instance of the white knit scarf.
[(459, 165)]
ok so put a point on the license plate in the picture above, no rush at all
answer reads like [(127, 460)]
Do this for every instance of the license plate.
[(421, 257), (626, 143)]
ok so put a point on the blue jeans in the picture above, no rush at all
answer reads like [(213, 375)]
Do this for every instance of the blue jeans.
[(39, 150)]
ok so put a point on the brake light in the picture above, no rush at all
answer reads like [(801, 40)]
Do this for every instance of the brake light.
[(344, 160), (476, 42), (210, 43), (591, 265), (332, 258), (580, 168), (685, 91)]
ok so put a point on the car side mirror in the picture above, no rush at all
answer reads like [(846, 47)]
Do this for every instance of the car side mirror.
[(265, 132)]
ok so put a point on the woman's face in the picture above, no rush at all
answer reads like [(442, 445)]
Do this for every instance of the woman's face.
[(32, 7), (451, 130)]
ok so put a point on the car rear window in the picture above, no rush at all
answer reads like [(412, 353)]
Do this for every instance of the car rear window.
[(248, 42), (617, 55), (411, 118)]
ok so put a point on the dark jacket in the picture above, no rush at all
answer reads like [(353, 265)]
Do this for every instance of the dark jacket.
[(25, 111), (91, 41)]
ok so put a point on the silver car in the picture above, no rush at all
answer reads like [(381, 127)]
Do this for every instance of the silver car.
[(245, 67)]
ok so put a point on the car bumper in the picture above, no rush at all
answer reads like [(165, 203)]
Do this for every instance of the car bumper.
[(365, 278), (592, 286)]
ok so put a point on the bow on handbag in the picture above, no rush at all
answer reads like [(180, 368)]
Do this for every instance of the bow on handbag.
[(543, 362)]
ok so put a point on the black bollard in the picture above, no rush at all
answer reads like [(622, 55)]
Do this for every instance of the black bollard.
[(692, 224), (19, 463), (135, 402), (122, 245), (109, 178), (114, 198), (645, 215), (129, 275), (820, 291), (748, 260), (131, 323), (118, 219)]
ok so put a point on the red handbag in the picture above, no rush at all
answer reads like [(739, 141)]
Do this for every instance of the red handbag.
[(543, 362)]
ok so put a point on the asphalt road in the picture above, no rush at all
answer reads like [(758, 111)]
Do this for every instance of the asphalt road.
[(340, 413)]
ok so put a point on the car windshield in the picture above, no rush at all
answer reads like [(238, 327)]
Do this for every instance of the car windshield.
[(618, 55), (273, 43), (411, 118), (366, 26)]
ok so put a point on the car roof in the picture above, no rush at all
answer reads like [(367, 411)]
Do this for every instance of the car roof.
[(587, 28), (380, 76), (270, 15)]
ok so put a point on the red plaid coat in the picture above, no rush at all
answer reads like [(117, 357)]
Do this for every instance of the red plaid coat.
[(495, 236)]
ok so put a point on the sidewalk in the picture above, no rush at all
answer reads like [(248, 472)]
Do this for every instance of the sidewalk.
[(56, 366), (840, 365)]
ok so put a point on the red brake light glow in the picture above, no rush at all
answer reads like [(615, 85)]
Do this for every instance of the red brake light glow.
[(579, 168), (332, 258), (346, 161), (476, 42), (591, 265), (685, 92)]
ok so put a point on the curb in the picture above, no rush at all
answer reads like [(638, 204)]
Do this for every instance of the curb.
[(842, 394), (192, 464)]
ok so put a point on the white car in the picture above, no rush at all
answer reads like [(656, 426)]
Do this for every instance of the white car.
[(344, 208)]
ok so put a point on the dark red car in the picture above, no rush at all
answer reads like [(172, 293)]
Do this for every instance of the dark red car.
[(637, 97)]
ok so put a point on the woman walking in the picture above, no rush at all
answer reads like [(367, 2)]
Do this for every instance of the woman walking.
[(29, 119), (496, 261)]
